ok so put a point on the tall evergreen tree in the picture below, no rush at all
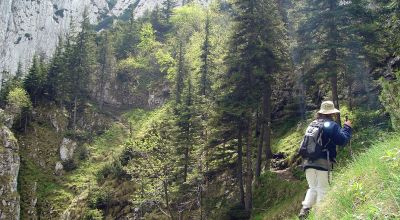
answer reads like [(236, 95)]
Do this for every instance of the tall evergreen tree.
[(107, 68), (35, 81), (327, 34), (257, 52), (82, 63)]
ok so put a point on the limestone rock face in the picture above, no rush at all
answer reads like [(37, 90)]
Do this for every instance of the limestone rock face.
[(9, 169), (67, 149), (33, 27)]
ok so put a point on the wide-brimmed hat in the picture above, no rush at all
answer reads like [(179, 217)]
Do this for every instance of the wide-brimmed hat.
[(328, 108)]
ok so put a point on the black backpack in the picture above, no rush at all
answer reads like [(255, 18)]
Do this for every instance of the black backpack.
[(311, 147)]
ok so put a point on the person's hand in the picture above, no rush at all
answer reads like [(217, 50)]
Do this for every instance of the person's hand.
[(348, 123)]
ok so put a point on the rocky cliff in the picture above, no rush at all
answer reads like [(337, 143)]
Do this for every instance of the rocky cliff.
[(9, 169), (33, 26)]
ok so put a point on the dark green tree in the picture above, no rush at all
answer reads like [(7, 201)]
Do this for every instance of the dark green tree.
[(328, 35), (35, 81)]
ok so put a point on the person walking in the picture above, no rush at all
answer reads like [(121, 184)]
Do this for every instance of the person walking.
[(318, 150)]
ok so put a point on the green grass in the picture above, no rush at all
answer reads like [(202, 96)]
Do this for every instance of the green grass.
[(367, 188), (277, 198)]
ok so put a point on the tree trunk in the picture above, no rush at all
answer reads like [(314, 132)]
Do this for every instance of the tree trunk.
[(185, 171), (259, 150), (249, 167), (165, 186), (75, 109), (267, 106), (335, 97), (333, 36), (240, 168), (350, 94), (201, 200)]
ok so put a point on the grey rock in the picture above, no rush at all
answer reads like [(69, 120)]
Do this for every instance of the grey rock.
[(9, 170), (67, 149)]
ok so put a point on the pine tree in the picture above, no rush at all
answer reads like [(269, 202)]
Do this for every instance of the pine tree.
[(205, 85), (82, 64), (256, 53), (35, 81), (328, 34), (107, 68), (57, 68)]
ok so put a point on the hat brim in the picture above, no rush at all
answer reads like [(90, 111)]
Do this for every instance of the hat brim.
[(328, 112)]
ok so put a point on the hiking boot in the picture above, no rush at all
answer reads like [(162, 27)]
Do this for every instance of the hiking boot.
[(304, 213)]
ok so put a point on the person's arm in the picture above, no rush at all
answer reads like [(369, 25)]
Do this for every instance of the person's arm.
[(341, 136)]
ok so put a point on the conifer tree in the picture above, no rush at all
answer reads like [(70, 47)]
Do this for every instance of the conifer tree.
[(328, 34), (34, 82), (257, 52), (106, 71), (57, 68), (82, 63)]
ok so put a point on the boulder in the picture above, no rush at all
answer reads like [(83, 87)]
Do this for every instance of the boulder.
[(67, 149)]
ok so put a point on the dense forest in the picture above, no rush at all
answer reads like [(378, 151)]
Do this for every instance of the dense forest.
[(197, 111)]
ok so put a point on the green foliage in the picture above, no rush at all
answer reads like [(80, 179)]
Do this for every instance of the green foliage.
[(390, 98), (99, 198), (93, 214), (35, 81), (18, 100), (277, 198)]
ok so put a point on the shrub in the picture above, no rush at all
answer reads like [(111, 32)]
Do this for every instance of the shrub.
[(83, 153), (113, 170), (18, 99), (99, 198), (390, 98), (69, 165), (93, 214)]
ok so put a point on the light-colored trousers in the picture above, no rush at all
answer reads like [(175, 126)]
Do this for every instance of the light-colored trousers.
[(318, 184)]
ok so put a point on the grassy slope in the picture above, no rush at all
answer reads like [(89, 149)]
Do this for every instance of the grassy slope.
[(367, 188), (40, 152), (281, 199)]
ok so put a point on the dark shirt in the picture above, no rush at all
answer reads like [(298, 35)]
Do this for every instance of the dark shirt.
[(333, 135)]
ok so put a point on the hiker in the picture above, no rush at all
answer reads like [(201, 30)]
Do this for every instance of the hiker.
[(318, 150)]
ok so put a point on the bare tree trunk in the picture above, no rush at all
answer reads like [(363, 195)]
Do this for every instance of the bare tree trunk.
[(165, 185), (267, 106), (75, 110), (26, 122), (335, 97), (260, 137), (249, 167), (240, 168), (201, 199), (350, 94), (185, 171)]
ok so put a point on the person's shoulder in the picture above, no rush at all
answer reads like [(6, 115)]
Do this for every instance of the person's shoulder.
[(330, 125)]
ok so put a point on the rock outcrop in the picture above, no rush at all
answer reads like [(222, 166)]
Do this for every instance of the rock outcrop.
[(9, 169), (67, 149)]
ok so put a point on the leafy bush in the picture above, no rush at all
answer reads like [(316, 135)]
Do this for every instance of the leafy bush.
[(18, 99), (99, 198), (93, 214), (83, 153), (390, 98), (69, 165), (113, 170)]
